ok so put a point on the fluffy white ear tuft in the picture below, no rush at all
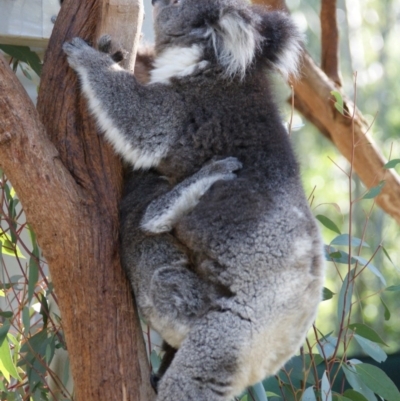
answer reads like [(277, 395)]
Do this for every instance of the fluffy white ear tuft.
[(288, 60), (235, 43)]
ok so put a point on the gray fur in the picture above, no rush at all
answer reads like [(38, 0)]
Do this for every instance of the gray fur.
[(237, 285)]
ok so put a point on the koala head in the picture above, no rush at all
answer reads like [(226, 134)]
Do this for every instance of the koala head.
[(230, 34)]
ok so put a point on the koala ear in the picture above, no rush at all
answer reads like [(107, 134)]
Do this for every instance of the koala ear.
[(235, 40), (281, 46)]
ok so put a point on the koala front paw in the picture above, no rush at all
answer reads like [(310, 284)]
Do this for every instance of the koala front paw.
[(77, 51), (224, 167)]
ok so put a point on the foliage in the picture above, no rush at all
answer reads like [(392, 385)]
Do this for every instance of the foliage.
[(31, 332)]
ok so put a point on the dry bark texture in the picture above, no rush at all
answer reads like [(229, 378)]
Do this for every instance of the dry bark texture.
[(69, 182), (314, 100)]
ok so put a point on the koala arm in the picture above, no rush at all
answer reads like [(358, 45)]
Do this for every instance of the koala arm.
[(162, 213), (139, 121)]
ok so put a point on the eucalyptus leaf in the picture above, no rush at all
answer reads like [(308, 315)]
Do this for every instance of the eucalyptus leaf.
[(26, 319), (327, 294), (327, 346), (378, 381), (33, 276), (372, 349), (4, 330), (340, 257), (393, 288), (354, 395), (356, 383), (386, 309), (387, 256), (367, 332), (25, 54), (326, 391), (309, 395), (344, 239), (374, 191), (371, 267), (393, 163), (155, 361), (328, 223), (258, 392), (6, 314), (345, 295), (6, 360), (338, 101)]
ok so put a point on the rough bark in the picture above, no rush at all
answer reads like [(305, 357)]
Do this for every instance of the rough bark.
[(69, 182), (313, 98)]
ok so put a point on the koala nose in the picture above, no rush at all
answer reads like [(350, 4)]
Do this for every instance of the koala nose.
[(153, 2)]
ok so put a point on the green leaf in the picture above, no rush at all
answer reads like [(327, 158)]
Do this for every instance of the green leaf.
[(393, 288), (44, 309), (155, 361), (258, 392), (333, 255), (372, 349), (326, 392), (328, 223), (309, 395), (356, 383), (33, 277), (8, 247), (345, 295), (386, 309), (25, 54), (338, 397), (344, 239), (327, 346), (338, 101), (378, 381), (300, 367), (327, 294), (393, 163), (26, 320), (354, 395), (4, 330), (387, 255), (6, 314), (371, 268), (7, 364), (375, 191), (365, 331)]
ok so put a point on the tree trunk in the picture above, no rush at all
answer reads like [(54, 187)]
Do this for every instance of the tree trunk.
[(69, 182)]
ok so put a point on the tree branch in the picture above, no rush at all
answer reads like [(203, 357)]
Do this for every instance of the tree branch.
[(313, 98), (330, 41)]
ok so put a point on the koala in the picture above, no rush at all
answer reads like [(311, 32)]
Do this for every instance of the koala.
[(231, 273)]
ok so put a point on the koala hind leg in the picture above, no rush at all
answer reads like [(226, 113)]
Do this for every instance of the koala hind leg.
[(178, 297), (207, 365)]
